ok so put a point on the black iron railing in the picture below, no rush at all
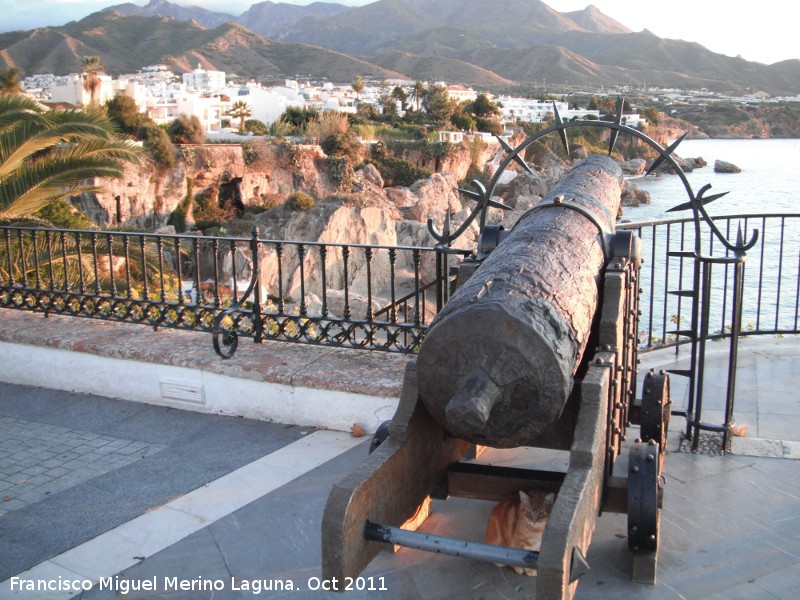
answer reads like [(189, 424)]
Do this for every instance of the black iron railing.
[(361, 296), (771, 281)]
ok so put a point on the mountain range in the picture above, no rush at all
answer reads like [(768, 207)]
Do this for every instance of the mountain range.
[(477, 42)]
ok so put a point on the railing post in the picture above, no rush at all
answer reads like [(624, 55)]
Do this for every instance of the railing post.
[(733, 355), (258, 318)]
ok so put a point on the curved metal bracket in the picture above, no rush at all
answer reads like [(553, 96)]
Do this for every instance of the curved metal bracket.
[(643, 512), (558, 202), (483, 201), (230, 339), (696, 203)]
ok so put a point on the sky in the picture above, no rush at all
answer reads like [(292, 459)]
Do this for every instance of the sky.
[(759, 31)]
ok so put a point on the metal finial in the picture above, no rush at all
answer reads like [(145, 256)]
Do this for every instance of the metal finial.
[(668, 152), (517, 158), (562, 133)]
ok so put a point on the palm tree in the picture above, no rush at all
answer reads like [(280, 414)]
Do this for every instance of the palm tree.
[(92, 67), (49, 155), (358, 86), (10, 81), (417, 92), (240, 110)]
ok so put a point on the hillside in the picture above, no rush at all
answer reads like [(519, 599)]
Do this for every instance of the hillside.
[(519, 43), (126, 43), (733, 121), (591, 19), (425, 68), (460, 30), (269, 18), (163, 8)]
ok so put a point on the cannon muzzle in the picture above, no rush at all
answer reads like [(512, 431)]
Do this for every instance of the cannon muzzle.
[(498, 362)]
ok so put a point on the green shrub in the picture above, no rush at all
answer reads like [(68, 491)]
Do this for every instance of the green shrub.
[(343, 144), (61, 213), (268, 202), (124, 111), (250, 154), (256, 126), (208, 213), (158, 145), (341, 171), (300, 201), (397, 172), (178, 217), (186, 129)]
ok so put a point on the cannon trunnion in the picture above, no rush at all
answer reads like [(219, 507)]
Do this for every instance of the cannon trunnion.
[(536, 348)]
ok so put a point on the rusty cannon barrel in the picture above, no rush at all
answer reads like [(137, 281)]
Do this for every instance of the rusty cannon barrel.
[(497, 364)]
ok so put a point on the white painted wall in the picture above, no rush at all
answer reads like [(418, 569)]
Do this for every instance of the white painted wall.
[(216, 394)]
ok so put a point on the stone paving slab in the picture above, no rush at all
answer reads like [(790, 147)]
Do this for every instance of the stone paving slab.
[(730, 529), (105, 462), (45, 459)]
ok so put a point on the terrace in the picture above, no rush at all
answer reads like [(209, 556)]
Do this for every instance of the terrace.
[(337, 325)]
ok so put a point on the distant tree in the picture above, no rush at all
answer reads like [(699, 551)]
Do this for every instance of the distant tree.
[(651, 114), (388, 104), (607, 105), (368, 112), (418, 93), (482, 106), (10, 81), (438, 104), (358, 86), (489, 125), (399, 94), (298, 117), (91, 69), (256, 126), (462, 119), (186, 129), (240, 110), (124, 111), (158, 145)]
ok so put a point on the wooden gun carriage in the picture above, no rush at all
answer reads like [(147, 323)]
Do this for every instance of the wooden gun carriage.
[(536, 348)]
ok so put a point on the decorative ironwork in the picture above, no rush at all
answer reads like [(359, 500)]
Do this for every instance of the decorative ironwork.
[(698, 332), (193, 282)]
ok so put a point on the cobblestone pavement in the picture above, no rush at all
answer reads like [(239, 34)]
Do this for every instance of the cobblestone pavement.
[(37, 459), (73, 466)]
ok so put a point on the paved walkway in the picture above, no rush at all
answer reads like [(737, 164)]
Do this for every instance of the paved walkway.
[(766, 402), (151, 494)]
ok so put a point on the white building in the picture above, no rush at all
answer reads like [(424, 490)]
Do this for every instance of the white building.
[(266, 104), (537, 111), (71, 90), (460, 93), (200, 79), (208, 108)]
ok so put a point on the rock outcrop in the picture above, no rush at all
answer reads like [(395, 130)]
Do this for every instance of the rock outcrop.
[(634, 167), (633, 195), (349, 211), (720, 166)]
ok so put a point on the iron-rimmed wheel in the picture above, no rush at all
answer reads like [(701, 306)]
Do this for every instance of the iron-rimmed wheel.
[(644, 515)]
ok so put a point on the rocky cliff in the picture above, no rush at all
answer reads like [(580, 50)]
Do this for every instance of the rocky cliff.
[(257, 185), (263, 174)]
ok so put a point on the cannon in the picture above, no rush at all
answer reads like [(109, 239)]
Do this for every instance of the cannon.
[(537, 347)]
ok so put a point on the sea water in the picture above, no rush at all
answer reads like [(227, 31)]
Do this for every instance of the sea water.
[(768, 184), (769, 181)]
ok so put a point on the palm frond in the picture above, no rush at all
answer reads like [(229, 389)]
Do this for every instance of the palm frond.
[(46, 155)]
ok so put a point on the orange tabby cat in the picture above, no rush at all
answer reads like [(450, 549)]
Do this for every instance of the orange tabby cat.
[(519, 523)]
